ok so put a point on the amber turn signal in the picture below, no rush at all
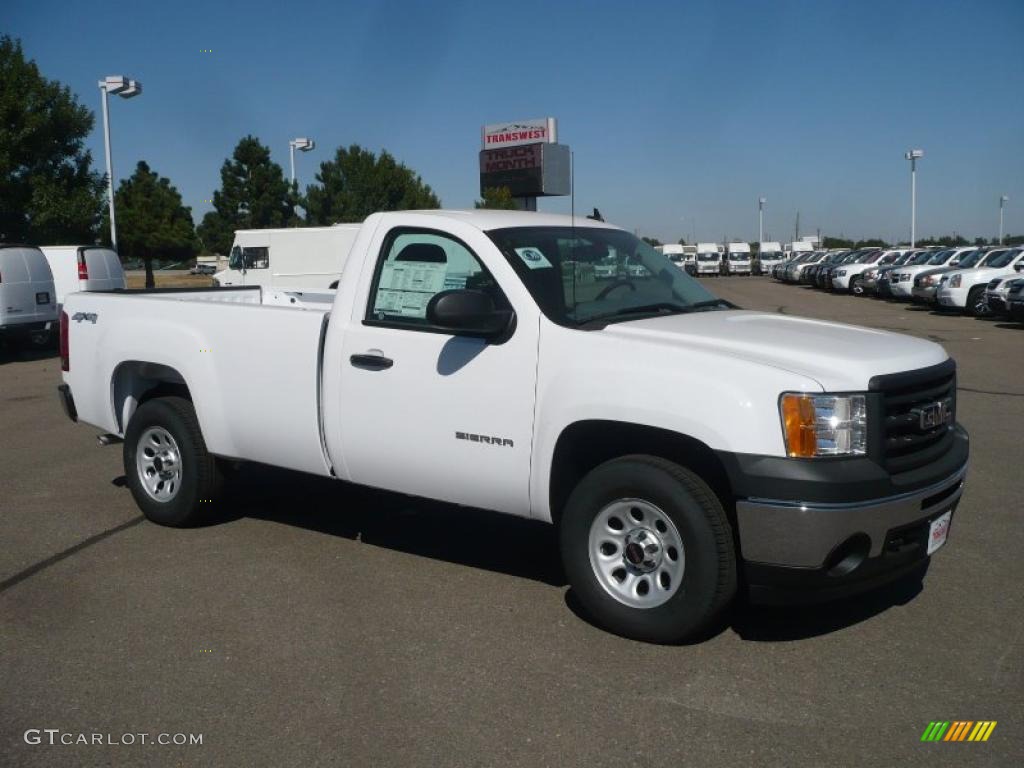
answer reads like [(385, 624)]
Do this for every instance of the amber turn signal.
[(798, 418)]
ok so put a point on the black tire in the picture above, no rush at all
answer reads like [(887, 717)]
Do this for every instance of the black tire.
[(856, 286), (708, 582), (976, 306), (201, 480)]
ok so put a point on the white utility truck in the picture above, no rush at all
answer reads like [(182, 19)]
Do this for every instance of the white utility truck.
[(297, 257), (768, 255), (709, 259), (457, 361), (83, 268), (738, 258)]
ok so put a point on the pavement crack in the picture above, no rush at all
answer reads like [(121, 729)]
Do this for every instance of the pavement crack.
[(989, 392), (32, 570)]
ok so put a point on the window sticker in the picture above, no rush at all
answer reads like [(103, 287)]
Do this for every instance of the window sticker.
[(533, 258)]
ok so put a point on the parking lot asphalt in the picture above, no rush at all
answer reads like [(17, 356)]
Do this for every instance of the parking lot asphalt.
[(322, 624)]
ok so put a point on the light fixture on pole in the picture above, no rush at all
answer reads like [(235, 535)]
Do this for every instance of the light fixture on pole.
[(760, 219), (303, 145), (1003, 200), (913, 156), (126, 88)]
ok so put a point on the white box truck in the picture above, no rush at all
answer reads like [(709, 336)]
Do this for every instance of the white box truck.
[(768, 255), (709, 259), (298, 257), (738, 258)]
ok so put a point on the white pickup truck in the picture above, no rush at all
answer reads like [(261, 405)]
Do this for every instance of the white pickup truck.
[(462, 360)]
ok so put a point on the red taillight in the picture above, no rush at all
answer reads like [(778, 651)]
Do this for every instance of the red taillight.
[(65, 349), (83, 268)]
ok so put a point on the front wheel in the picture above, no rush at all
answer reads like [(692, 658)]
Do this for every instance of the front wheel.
[(856, 286), (976, 305), (172, 477), (648, 550)]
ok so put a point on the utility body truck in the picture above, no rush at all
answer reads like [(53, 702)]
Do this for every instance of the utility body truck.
[(297, 257), (459, 361)]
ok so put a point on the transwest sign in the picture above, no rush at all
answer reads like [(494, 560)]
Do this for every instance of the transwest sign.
[(518, 132)]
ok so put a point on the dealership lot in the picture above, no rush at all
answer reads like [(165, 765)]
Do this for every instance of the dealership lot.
[(324, 624)]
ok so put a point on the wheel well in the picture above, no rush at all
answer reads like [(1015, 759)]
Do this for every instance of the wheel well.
[(135, 382), (586, 444)]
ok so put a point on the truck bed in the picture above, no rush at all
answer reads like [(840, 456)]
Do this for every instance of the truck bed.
[(250, 359)]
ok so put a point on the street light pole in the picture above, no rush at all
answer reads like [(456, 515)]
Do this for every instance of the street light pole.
[(760, 219), (126, 88), (110, 167), (913, 156), (303, 145), (1003, 199)]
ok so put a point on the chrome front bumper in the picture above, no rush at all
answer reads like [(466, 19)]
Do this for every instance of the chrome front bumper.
[(796, 534)]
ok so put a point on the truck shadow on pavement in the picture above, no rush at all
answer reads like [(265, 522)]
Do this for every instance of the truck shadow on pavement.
[(25, 354), (499, 543)]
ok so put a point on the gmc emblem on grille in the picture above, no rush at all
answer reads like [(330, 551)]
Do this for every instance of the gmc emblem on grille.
[(934, 415)]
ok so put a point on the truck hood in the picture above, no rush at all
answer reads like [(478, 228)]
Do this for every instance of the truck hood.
[(838, 356)]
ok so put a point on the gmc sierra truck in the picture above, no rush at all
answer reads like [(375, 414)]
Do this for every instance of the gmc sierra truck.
[(479, 358)]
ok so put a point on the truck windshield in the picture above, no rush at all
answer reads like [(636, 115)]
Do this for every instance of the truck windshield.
[(585, 274), (999, 259), (739, 256), (771, 255), (708, 257)]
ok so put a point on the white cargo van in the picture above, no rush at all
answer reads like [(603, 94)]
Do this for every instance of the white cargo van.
[(738, 258), (299, 257), (83, 268), (709, 259), (768, 255), (28, 301)]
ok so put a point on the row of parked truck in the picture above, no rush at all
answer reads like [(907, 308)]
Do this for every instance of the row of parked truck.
[(714, 259), (977, 281)]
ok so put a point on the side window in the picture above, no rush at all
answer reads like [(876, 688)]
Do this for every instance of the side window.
[(416, 265), (256, 257)]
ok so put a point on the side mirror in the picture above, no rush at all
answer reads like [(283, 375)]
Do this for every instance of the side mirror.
[(468, 312)]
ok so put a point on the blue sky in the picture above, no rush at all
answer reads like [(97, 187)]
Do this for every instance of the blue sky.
[(680, 114)]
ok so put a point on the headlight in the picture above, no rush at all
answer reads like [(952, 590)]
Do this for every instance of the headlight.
[(840, 273), (871, 274), (927, 280), (824, 425), (954, 281)]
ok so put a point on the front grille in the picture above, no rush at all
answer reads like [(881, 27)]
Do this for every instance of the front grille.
[(903, 443)]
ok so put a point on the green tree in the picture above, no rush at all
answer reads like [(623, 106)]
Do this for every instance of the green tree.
[(651, 240), (48, 190), (836, 242), (873, 242), (682, 241), (357, 183), (152, 222), (499, 198), (254, 194)]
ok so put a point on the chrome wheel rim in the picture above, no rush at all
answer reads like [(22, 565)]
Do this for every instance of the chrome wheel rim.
[(158, 463), (636, 553)]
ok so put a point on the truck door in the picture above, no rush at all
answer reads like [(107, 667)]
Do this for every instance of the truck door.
[(425, 412)]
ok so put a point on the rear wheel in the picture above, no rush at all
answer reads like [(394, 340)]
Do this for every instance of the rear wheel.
[(976, 305), (648, 550), (173, 478), (857, 286)]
